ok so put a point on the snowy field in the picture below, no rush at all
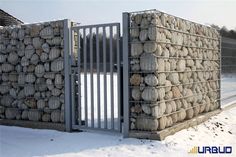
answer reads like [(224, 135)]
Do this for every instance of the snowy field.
[(228, 89), (22, 142)]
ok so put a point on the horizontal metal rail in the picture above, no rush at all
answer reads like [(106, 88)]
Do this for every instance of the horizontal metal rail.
[(185, 84), (95, 26), (163, 57), (174, 30), (155, 103), (156, 71), (161, 42)]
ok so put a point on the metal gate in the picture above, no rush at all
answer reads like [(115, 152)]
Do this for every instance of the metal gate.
[(95, 78)]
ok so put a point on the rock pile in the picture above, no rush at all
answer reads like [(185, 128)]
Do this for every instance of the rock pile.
[(174, 70), (31, 72)]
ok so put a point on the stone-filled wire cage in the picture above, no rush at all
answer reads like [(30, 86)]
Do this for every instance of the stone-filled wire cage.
[(174, 70), (32, 72)]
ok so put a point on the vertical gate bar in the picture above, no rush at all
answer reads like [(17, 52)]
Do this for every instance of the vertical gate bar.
[(105, 77), (72, 79), (91, 76), (67, 71), (111, 77), (118, 73), (79, 77), (126, 73), (85, 76), (98, 78), (73, 107)]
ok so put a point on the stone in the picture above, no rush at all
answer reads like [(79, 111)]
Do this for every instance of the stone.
[(153, 33), (136, 49), (181, 114), (149, 47), (55, 116), (34, 115), (46, 117), (143, 35), (196, 110), (29, 51), (43, 57), (54, 53), (30, 102), (136, 94), (161, 93), (2, 58), (169, 121), (30, 78), (181, 65), (174, 78), (24, 61), (134, 32), (4, 88), (151, 80), (161, 65), (57, 65), (29, 90), (174, 117), (13, 93), (11, 113), (39, 70), (24, 115), (6, 67), (158, 109), (49, 84), (150, 94), (189, 95), (189, 113), (21, 34), (41, 104), (46, 33), (37, 42), (58, 81), (56, 41), (46, 48), (13, 58), (146, 108), (168, 86), (162, 123), (54, 103), (34, 59), (135, 79), (148, 62), (6, 100), (162, 78), (147, 124), (176, 92), (56, 92)]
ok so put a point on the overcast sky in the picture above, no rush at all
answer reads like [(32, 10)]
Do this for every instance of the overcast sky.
[(220, 12)]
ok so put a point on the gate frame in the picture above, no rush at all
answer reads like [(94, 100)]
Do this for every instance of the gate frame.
[(70, 74), (126, 92), (124, 64), (67, 73)]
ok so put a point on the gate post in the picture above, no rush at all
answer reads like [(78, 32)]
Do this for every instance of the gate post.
[(126, 74), (67, 72)]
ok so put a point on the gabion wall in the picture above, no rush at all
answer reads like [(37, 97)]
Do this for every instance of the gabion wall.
[(32, 72), (174, 72)]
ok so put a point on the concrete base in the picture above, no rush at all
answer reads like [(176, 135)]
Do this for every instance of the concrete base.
[(161, 135), (32, 124)]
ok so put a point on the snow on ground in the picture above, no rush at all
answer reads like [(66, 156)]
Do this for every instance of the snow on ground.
[(22, 142), (228, 89)]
